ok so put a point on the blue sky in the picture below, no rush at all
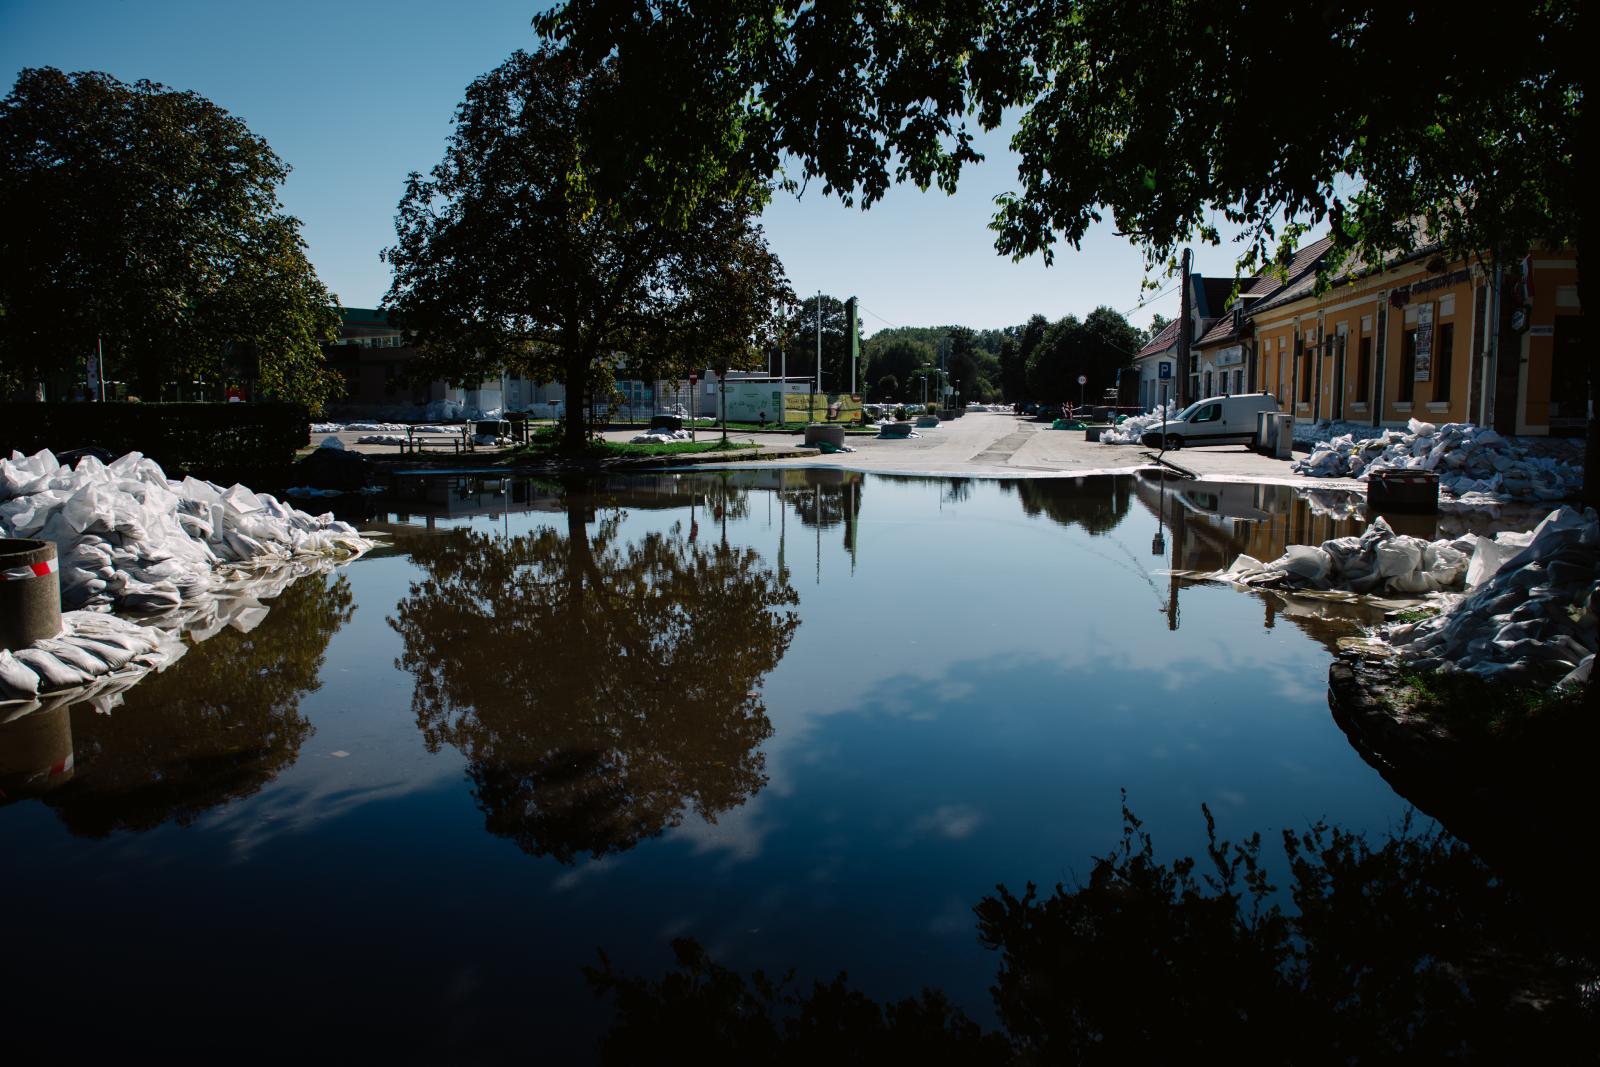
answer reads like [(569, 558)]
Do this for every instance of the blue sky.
[(354, 95)]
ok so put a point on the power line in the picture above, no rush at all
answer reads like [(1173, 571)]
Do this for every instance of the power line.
[(1153, 299), (877, 316)]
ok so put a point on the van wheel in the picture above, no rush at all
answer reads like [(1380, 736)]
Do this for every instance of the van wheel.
[(1174, 442)]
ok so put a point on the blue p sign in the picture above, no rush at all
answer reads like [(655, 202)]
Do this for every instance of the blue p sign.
[(1165, 372)]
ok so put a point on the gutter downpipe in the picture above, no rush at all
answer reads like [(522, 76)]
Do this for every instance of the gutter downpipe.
[(1491, 364)]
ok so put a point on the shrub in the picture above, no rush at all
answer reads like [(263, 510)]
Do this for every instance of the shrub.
[(251, 443)]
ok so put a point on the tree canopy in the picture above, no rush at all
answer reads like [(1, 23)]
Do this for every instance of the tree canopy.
[(148, 219), (529, 250), (1096, 348), (896, 360), (1369, 117)]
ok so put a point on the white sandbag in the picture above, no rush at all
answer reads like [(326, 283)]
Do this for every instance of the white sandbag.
[(53, 674), (17, 680), (1399, 556), (70, 653), (1305, 561)]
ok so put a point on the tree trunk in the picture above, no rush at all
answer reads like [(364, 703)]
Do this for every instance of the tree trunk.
[(574, 435), (1591, 452)]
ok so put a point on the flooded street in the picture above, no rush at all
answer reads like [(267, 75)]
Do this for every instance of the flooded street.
[(808, 718)]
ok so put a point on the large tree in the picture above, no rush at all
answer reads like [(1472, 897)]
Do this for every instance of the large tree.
[(1396, 126), (147, 220), (966, 372), (897, 359), (526, 250), (731, 291), (1095, 348)]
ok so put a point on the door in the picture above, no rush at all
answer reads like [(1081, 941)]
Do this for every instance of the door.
[(1336, 409), (1569, 379)]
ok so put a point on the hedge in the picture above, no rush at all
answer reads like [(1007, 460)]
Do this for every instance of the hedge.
[(250, 443)]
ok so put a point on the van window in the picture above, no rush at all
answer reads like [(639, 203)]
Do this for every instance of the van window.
[(1209, 413)]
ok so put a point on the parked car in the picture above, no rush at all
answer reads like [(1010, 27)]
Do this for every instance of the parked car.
[(1217, 420)]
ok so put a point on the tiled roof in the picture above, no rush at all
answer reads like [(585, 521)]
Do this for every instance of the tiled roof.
[(1302, 279), (1221, 332), (1161, 342)]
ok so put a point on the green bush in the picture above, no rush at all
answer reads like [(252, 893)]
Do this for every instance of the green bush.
[(250, 443)]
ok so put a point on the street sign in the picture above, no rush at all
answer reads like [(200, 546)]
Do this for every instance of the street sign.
[(1164, 372), (693, 378)]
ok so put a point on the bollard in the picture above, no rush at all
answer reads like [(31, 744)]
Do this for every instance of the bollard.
[(817, 433), (30, 592)]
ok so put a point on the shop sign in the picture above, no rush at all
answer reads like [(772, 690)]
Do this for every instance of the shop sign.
[(1230, 356)]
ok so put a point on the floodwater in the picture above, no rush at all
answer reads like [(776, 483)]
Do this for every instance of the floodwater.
[(807, 718)]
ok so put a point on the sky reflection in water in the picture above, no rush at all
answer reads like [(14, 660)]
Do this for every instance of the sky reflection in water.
[(809, 718)]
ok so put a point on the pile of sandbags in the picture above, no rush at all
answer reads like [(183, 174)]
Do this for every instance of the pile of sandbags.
[(1532, 616), (92, 646), (129, 538), (1379, 561), (661, 436), (1470, 460), (1130, 430)]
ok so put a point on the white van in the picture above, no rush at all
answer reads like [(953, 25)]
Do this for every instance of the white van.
[(1218, 420)]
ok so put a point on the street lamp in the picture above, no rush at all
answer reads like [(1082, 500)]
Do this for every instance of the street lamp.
[(926, 367)]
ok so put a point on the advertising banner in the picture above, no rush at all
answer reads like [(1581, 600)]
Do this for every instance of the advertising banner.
[(1424, 360)]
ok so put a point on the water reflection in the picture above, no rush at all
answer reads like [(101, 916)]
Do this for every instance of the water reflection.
[(1406, 948), (598, 687), (1096, 504), (216, 727)]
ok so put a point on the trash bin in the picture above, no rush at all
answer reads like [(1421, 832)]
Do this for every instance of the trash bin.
[(1411, 491), (1283, 443), (1266, 432), (519, 426)]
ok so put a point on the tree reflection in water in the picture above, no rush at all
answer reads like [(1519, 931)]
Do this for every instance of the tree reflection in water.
[(1097, 503), (1407, 950), (598, 688), (215, 727)]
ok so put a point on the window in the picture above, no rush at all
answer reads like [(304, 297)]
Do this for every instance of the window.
[(1408, 366), (1238, 381), (1443, 340), (1208, 383), (1209, 413), (1364, 371), (1305, 373)]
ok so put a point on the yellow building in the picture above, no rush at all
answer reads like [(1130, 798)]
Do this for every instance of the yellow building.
[(1417, 340)]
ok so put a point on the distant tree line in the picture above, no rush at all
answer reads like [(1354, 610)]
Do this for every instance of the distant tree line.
[(1036, 360)]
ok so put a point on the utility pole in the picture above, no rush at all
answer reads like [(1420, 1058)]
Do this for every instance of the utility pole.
[(1185, 336), (817, 388)]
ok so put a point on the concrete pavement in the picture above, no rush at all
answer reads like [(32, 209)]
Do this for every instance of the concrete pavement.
[(994, 445)]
